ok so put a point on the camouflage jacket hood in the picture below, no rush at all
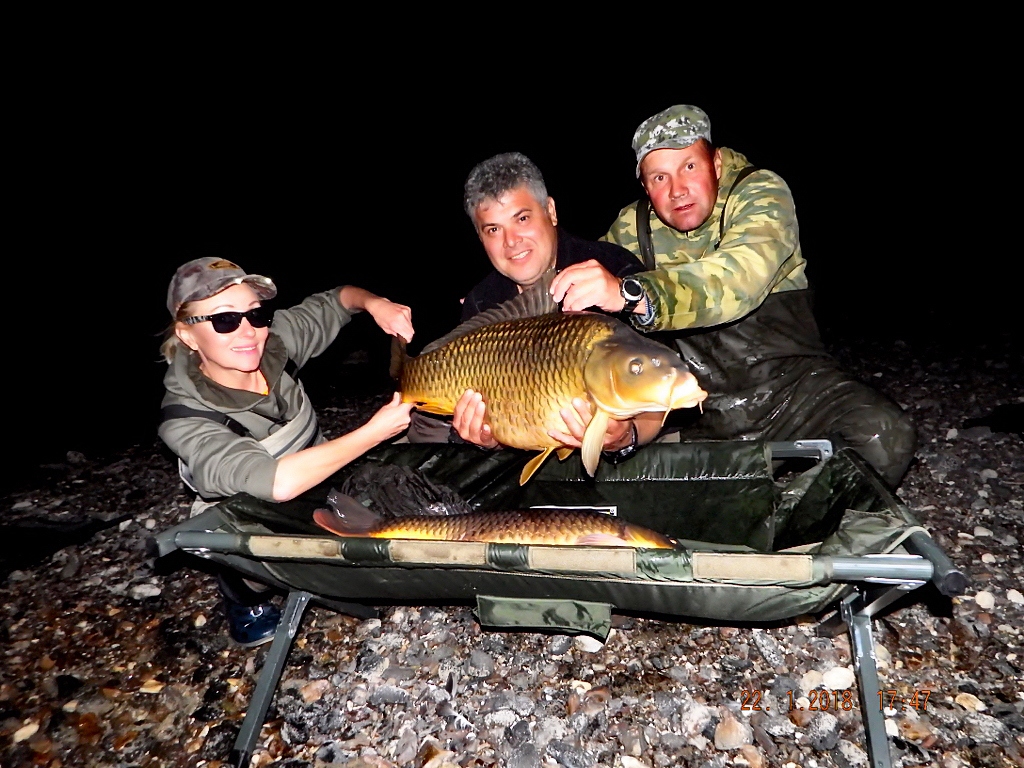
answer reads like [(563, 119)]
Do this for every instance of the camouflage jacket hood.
[(703, 280)]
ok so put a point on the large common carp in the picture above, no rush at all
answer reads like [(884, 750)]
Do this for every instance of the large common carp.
[(346, 517), (529, 361)]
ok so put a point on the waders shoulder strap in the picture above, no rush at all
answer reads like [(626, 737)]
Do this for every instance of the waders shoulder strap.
[(169, 412), (643, 220)]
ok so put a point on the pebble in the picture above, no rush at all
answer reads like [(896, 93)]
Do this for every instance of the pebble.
[(984, 728), (143, 591), (810, 681), (970, 701), (25, 732), (480, 665), (20, 505), (989, 474), (731, 733), (980, 530), (628, 761), (1015, 597), (769, 647), (587, 644), (838, 678), (951, 433), (985, 600), (988, 558), (824, 731), (854, 756)]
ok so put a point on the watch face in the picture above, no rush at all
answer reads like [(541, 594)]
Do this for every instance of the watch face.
[(631, 289)]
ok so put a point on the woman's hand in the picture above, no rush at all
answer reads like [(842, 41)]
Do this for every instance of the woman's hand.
[(391, 419), (393, 319)]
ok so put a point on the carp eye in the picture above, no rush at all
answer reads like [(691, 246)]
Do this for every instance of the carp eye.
[(636, 367)]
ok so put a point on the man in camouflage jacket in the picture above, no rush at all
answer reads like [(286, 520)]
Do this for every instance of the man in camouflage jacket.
[(725, 274)]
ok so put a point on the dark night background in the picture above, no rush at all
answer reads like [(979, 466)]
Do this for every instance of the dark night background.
[(318, 175)]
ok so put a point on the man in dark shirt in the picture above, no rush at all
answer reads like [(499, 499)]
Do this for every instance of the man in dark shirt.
[(515, 218)]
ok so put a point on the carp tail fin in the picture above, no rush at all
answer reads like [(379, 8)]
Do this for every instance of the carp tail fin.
[(398, 357), (344, 516)]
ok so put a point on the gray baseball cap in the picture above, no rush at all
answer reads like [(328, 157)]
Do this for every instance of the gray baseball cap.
[(202, 278), (673, 128)]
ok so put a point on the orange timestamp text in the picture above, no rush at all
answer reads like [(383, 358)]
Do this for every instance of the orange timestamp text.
[(824, 700)]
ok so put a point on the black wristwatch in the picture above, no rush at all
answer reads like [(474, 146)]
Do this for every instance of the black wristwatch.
[(632, 291), (614, 457)]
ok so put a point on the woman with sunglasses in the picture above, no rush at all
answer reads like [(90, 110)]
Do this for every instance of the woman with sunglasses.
[(234, 414)]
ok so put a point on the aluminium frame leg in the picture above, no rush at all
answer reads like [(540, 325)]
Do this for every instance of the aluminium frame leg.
[(273, 665), (862, 648)]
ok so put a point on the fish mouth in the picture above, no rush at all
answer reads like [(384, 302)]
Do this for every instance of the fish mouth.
[(682, 392), (686, 393)]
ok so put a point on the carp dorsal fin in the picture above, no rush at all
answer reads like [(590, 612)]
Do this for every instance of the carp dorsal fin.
[(534, 301), (533, 465), (593, 440)]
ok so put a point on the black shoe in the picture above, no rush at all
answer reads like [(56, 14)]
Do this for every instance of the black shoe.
[(251, 625)]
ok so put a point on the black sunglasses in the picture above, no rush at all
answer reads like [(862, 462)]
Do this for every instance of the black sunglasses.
[(227, 322)]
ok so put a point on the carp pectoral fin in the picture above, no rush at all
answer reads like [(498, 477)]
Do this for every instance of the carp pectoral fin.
[(533, 465), (563, 453), (593, 440), (433, 408)]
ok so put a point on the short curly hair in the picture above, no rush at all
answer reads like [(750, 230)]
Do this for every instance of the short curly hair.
[(497, 175)]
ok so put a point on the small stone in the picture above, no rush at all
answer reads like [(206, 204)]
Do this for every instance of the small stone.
[(838, 678), (124, 525), (21, 505), (984, 729), (854, 756), (989, 474), (882, 656), (151, 686), (587, 644), (730, 733), (891, 729), (389, 694), (150, 524), (985, 600), (752, 755), (25, 732), (988, 558), (628, 761), (824, 732), (199, 621), (479, 665), (980, 530), (1015, 597), (951, 433), (810, 681), (971, 702), (143, 591), (314, 690)]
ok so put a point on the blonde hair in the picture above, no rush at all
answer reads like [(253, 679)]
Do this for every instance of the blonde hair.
[(169, 347)]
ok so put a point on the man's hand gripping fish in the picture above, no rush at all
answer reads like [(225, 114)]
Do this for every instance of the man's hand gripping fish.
[(567, 527), (528, 360)]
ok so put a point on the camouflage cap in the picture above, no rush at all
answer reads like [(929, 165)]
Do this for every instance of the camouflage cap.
[(202, 278), (674, 128)]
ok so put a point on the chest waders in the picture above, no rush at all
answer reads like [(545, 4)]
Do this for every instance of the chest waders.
[(297, 434), (769, 377)]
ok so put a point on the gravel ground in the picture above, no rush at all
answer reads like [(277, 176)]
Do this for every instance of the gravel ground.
[(107, 663)]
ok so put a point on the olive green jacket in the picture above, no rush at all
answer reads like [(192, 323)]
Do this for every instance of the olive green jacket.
[(701, 281), (221, 462)]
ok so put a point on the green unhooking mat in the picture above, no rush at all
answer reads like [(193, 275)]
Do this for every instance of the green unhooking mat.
[(749, 548)]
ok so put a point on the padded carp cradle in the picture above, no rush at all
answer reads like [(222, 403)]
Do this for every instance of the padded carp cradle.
[(834, 537)]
